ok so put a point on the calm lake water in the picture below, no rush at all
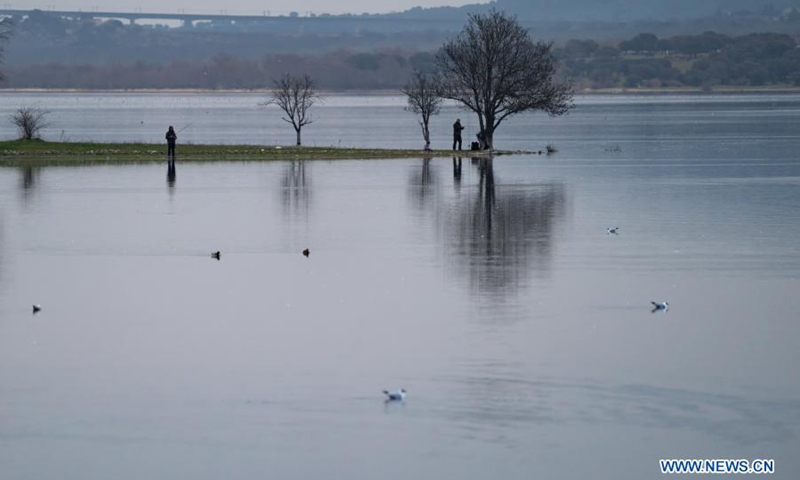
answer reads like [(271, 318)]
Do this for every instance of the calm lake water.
[(492, 293)]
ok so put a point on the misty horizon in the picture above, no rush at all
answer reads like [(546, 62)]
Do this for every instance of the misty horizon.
[(241, 7)]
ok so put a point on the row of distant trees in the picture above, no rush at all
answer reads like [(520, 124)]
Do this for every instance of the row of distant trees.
[(708, 59), (334, 71), (704, 60)]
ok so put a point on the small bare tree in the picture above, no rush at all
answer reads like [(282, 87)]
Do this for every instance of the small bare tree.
[(295, 96), (423, 100), (29, 121)]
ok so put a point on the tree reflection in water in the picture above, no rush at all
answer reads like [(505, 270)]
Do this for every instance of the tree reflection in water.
[(30, 175), (499, 236), (423, 186), (296, 190)]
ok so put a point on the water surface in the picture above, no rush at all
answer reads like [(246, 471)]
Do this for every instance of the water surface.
[(490, 291)]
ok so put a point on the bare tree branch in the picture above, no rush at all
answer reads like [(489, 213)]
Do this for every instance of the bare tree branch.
[(423, 100), (494, 69), (295, 96), (29, 121)]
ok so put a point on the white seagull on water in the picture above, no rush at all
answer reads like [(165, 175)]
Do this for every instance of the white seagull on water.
[(398, 396), (660, 306)]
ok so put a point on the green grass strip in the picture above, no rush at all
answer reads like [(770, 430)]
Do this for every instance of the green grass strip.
[(18, 152)]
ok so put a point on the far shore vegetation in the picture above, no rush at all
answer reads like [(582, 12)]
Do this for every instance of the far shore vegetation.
[(18, 152), (645, 62)]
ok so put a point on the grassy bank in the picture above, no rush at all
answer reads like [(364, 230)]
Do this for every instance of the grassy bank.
[(21, 151)]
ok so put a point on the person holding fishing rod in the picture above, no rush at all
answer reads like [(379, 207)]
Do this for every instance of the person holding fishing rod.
[(171, 138)]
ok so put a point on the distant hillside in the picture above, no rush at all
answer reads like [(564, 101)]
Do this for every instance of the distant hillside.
[(703, 62), (43, 38), (629, 10)]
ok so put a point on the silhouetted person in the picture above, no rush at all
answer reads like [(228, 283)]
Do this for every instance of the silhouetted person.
[(457, 128), (171, 137)]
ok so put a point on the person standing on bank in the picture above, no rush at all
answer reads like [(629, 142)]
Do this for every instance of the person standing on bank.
[(457, 133), (171, 137)]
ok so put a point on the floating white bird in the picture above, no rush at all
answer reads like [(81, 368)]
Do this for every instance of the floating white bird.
[(612, 230), (662, 306), (398, 396), (36, 308)]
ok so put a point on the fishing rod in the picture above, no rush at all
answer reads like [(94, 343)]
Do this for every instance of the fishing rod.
[(187, 126)]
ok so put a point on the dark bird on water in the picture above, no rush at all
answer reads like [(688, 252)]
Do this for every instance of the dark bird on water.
[(660, 306), (215, 255), (36, 309), (306, 252), (398, 396), (612, 230)]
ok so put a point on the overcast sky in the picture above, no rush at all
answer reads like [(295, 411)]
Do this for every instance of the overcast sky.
[(233, 7)]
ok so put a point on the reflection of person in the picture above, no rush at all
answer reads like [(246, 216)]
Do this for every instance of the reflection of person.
[(171, 175), (457, 133), (171, 137)]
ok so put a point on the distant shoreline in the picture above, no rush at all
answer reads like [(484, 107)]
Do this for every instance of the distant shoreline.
[(602, 91)]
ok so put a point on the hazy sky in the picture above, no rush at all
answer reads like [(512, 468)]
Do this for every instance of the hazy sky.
[(234, 7)]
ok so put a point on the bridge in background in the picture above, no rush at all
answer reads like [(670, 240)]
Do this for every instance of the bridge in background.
[(221, 18)]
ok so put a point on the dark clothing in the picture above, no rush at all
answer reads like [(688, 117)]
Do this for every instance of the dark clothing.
[(171, 137), (457, 134)]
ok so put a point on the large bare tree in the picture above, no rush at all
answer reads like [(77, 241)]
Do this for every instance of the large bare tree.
[(295, 95), (423, 100), (5, 34), (494, 69)]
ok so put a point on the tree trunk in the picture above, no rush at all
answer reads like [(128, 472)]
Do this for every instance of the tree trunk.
[(488, 133), (426, 134), (488, 140), (298, 137)]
